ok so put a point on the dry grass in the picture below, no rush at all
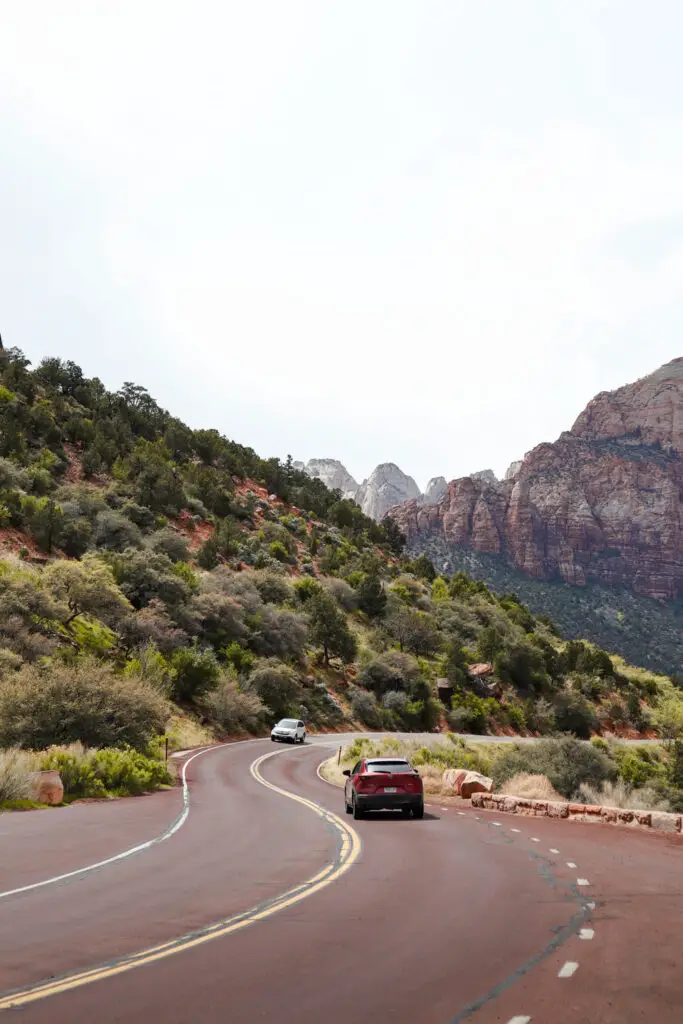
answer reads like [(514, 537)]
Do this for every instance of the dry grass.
[(333, 772), (530, 787), (619, 794), (184, 732), (15, 774)]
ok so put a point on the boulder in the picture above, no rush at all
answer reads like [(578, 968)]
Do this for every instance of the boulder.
[(47, 787), (451, 779), (474, 782)]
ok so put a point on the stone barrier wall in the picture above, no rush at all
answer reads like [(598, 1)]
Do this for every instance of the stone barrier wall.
[(658, 820)]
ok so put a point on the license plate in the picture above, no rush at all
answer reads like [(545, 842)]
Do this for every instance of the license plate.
[(390, 789)]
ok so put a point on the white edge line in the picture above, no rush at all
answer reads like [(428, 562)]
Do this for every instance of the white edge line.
[(567, 969), (177, 824), (322, 777)]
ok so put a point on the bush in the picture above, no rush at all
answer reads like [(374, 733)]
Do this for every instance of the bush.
[(170, 543), (277, 686), (116, 533), (620, 794), (567, 763), (107, 772), (234, 710), (345, 596), (574, 714), (272, 588), (196, 671), (372, 598), (86, 701), (278, 632), (366, 709), (390, 671), (15, 775), (329, 629)]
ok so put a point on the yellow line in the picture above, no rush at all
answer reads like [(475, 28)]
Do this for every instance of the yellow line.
[(348, 854)]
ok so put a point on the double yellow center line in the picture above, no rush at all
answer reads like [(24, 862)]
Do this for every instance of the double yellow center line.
[(347, 852)]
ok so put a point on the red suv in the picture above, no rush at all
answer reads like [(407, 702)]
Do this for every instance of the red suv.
[(376, 783)]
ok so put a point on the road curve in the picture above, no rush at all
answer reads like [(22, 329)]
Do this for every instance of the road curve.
[(459, 916)]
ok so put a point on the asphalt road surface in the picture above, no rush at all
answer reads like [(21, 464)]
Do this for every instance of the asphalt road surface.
[(259, 900)]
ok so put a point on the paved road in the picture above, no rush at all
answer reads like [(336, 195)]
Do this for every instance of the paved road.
[(455, 917)]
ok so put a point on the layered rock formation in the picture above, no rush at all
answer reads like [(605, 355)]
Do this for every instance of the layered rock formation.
[(333, 474), (386, 486), (435, 490), (602, 503)]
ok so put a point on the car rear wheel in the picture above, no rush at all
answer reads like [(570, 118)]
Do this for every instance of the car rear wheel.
[(357, 811), (405, 811), (419, 812)]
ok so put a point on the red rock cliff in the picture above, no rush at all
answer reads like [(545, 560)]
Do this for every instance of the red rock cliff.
[(602, 503)]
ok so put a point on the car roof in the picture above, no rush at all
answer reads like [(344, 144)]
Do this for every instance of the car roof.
[(386, 760)]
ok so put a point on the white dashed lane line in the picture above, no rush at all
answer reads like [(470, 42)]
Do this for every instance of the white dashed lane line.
[(533, 840), (586, 933), (582, 881), (571, 864), (567, 969), (496, 823), (553, 851), (515, 830), (520, 1020)]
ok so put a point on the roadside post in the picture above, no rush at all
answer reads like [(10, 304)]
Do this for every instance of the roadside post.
[(339, 756), (166, 744)]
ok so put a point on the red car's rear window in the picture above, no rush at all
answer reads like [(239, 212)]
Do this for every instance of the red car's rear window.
[(395, 767)]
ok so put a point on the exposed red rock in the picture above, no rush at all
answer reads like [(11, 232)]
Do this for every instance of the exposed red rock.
[(602, 503)]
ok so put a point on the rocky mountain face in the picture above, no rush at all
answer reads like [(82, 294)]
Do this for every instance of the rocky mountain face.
[(602, 504), (386, 486), (333, 474)]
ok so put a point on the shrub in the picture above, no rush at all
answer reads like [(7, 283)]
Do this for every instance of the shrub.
[(372, 598), (345, 596), (620, 794), (305, 589), (170, 543), (272, 588), (240, 659), (196, 671), (15, 775), (107, 772), (366, 709), (116, 533), (567, 763), (278, 632), (277, 686), (390, 671), (234, 710), (86, 701), (574, 714), (531, 787)]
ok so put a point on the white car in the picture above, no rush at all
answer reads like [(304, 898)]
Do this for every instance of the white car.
[(289, 730)]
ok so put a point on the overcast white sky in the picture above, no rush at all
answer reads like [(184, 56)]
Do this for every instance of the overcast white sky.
[(422, 232)]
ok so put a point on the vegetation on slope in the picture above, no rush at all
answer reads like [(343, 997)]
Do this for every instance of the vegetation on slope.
[(642, 630), (151, 570)]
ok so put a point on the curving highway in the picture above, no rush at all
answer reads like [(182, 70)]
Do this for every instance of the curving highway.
[(250, 896)]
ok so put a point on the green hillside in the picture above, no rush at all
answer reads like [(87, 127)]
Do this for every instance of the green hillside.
[(156, 577)]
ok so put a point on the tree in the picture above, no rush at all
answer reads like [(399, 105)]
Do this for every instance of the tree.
[(43, 518), (394, 538), (456, 665), (87, 587), (372, 598), (423, 568), (414, 631), (669, 719), (329, 629)]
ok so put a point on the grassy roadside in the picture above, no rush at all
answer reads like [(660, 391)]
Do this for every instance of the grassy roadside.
[(637, 777)]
